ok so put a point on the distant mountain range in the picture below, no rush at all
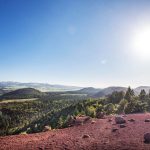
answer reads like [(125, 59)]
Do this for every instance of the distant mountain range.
[(6, 87), (44, 87)]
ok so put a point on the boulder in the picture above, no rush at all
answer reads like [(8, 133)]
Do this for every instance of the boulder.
[(147, 137), (119, 120)]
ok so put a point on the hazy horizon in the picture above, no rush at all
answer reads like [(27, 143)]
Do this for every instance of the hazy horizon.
[(81, 86), (80, 43)]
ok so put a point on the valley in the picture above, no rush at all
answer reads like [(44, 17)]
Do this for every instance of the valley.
[(29, 110)]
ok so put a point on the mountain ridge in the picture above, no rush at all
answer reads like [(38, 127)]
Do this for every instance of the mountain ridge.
[(45, 87)]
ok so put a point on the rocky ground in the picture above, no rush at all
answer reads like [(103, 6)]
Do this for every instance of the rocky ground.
[(99, 134)]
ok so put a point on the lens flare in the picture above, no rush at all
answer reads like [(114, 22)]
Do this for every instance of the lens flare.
[(141, 43)]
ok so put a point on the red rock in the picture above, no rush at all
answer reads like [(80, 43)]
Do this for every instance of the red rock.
[(122, 139), (85, 136), (147, 120), (120, 120), (147, 138)]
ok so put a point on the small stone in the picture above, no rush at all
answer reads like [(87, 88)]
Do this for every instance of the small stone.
[(86, 119), (120, 120), (85, 136), (100, 115), (147, 120), (131, 120), (113, 124), (147, 137), (109, 120), (122, 126), (114, 130), (93, 122)]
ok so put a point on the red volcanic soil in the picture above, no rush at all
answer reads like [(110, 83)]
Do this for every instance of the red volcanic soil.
[(100, 137)]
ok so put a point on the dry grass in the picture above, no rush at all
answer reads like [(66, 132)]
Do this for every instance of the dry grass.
[(17, 100)]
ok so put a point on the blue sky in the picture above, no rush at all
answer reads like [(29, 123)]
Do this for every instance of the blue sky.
[(73, 42)]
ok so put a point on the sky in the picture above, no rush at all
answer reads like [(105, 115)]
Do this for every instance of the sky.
[(95, 43)]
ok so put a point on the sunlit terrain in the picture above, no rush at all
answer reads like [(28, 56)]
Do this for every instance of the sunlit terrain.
[(75, 75)]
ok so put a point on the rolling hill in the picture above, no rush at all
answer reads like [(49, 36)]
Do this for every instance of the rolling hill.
[(88, 91), (3, 91), (109, 90), (44, 87), (22, 94)]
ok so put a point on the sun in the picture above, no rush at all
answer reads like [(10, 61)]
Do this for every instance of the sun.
[(141, 43)]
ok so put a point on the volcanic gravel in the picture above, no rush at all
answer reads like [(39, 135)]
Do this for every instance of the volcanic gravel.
[(100, 136)]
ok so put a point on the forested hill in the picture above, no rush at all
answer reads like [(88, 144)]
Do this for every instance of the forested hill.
[(109, 90), (89, 91), (23, 94)]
